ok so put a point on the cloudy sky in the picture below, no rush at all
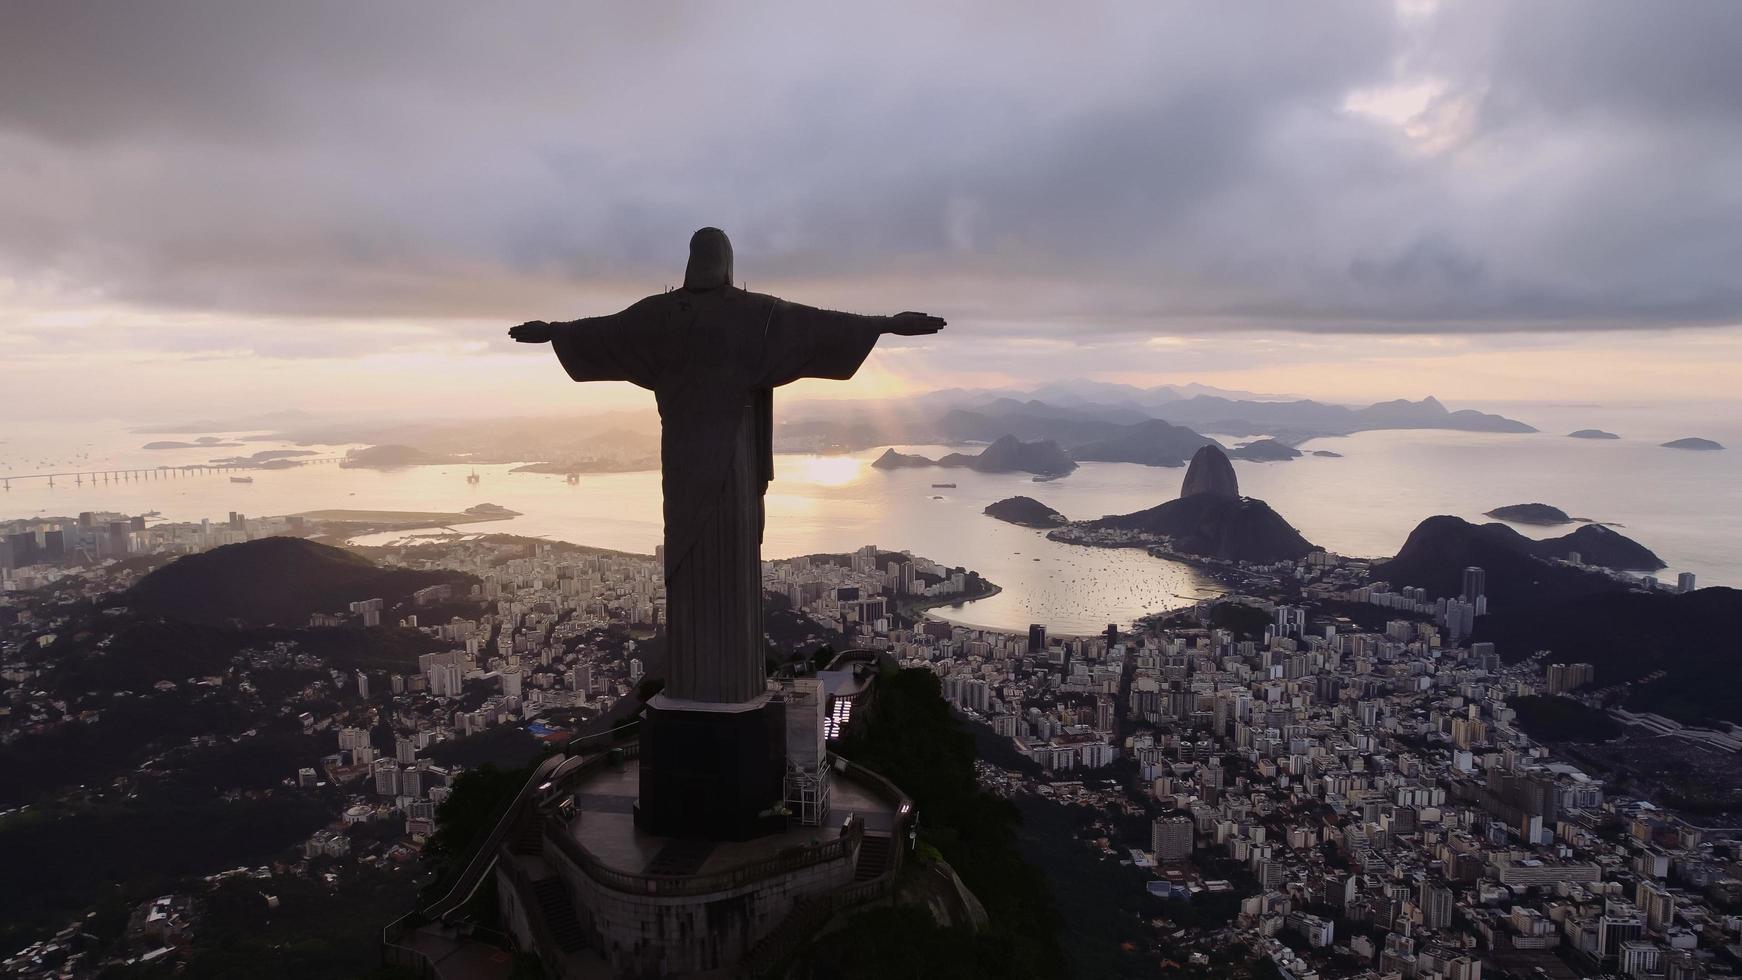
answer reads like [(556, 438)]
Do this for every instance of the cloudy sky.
[(341, 206)]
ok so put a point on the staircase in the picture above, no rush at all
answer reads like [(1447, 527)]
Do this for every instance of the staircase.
[(528, 835), (806, 917), (559, 914), (875, 850)]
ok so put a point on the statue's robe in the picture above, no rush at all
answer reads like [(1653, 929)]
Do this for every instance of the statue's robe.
[(713, 359)]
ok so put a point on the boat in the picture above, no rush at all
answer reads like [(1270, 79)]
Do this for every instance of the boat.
[(943, 486), (472, 477), (574, 478), (241, 479)]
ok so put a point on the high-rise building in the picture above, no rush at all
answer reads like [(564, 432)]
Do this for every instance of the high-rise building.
[(1621, 922), (120, 538), (1036, 637), (386, 777), (353, 738), (1657, 903), (1475, 583), (1171, 839), (1436, 904), (1569, 677), (1684, 582)]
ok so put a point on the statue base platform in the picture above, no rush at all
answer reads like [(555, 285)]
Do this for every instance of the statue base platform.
[(712, 771)]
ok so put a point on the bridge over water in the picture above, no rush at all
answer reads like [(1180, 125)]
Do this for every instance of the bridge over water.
[(81, 477)]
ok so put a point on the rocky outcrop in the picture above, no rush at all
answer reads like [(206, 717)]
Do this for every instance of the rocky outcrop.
[(1025, 511), (1266, 451), (1007, 454), (892, 460), (1693, 442), (1544, 514), (1518, 569), (1597, 544), (1211, 473), (1591, 434), (1216, 525)]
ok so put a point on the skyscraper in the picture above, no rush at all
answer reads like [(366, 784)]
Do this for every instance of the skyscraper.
[(1036, 637), (1475, 583), (1684, 582)]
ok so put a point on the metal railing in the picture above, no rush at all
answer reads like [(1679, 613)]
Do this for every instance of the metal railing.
[(485, 856), (785, 862)]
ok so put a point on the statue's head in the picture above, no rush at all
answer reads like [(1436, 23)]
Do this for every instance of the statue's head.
[(710, 260)]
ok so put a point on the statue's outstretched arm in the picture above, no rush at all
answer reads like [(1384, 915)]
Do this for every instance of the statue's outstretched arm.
[(544, 331), (911, 324), (614, 347), (534, 332), (905, 324), (805, 342)]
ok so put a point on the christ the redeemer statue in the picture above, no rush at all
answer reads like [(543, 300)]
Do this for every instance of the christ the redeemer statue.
[(713, 354)]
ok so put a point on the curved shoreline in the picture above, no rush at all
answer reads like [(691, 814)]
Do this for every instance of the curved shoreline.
[(917, 609)]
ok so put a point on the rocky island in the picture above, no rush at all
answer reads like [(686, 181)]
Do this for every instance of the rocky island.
[(1209, 520), (203, 442), (1266, 451), (1026, 511), (1693, 442), (1007, 454), (1592, 434), (1542, 514), (575, 466)]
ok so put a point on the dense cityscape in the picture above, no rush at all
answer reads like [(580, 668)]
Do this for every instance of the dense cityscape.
[(1317, 770), (897, 491)]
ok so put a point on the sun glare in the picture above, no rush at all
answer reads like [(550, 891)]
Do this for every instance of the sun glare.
[(828, 471)]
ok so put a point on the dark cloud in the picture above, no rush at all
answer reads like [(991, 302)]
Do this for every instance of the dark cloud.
[(1144, 169)]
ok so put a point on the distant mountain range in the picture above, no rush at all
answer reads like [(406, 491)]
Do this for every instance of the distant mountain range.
[(1090, 420), (1155, 428), (1151, 442)]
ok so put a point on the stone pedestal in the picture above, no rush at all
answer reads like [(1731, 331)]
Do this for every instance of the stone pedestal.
[(710, 770)]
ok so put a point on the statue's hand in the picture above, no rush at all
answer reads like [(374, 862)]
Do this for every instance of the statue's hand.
[(912, 324), (533, 332)]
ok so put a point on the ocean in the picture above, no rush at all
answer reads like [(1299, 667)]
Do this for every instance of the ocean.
[(1683, 505)]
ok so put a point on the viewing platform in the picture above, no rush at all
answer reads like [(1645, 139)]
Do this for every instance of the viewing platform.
[(603, 823), (576, 874)]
